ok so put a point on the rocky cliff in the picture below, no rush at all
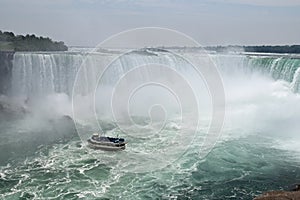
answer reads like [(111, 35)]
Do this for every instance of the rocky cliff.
[(6, 59)]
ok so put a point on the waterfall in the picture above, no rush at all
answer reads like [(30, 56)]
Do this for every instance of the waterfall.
[(280, 68), (296, 81), (47, 73), (38, 74)]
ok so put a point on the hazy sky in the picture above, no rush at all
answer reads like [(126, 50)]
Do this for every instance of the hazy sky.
[(210, 22)]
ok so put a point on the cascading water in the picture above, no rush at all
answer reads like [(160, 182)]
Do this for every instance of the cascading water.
[(37, 73), (251, 156), (282, 68), (296, 80), (40, 74)]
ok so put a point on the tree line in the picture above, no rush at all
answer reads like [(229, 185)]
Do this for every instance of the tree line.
[(11, 42), (260, 49)]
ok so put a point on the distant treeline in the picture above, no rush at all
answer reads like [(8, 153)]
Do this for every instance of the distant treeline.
[(273, 49), (11, 42), (260, 49)]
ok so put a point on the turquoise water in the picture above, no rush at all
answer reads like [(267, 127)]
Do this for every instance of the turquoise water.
[(236, 169), (257, 152)]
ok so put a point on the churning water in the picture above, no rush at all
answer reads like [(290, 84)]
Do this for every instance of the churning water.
[(257, 149)]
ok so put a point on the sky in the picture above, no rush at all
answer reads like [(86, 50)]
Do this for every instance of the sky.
[(210, 22)]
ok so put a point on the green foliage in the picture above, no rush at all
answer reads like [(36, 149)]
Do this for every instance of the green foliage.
[(274, 49), (10, 42), (260, 49)]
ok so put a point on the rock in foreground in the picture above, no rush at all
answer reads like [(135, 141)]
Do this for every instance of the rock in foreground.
[(281, 195)]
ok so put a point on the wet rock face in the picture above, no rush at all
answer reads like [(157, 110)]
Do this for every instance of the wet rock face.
[(6, 60), (294, 194), (296, 187)]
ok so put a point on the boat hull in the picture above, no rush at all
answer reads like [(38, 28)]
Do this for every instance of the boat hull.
[(106, 147)]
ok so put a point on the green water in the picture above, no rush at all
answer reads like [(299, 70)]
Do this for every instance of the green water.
[(254, 154), (236, 169)]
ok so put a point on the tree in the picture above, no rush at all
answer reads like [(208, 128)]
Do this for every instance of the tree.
[(29, 43)]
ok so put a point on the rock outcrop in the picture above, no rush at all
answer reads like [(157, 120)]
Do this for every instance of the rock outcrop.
[(281, 195), (6, 59)]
